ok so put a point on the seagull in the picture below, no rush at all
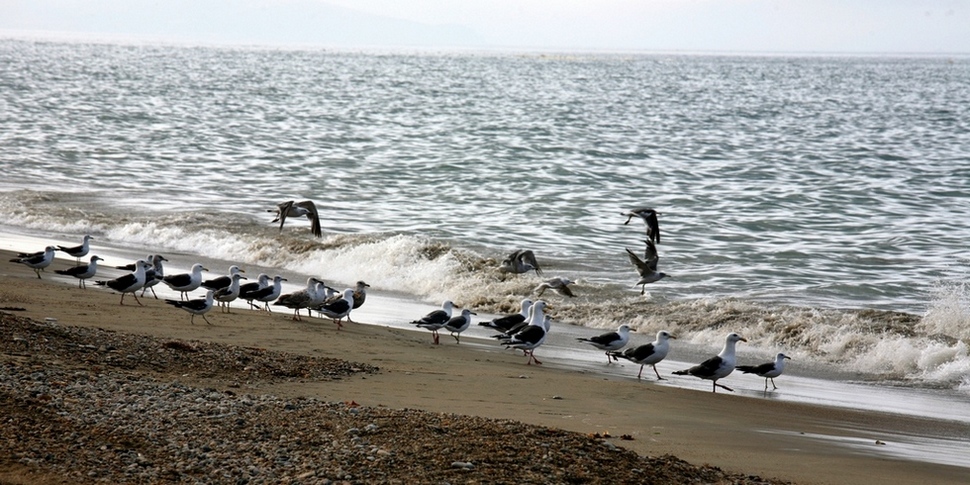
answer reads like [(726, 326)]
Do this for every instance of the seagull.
[(560, 284), (533, 335), (340, 308), (298, 209), (719, 366), (768, 370), (457, 325), (648, 354), (520, 261), (222, 281), (611, 341), (536, 314), (269, 293), (436, 320), (505, 323), (227, 295), (78, 251), (154, 274), (186, 282), (195, 307), (132, 266), (647, 268), (299, 300), (246, 291), (649, 217), (129, 283), (37, 261), (83, 271), (360, 294)]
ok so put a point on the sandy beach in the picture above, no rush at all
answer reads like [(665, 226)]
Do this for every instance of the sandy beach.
[(740, 435)]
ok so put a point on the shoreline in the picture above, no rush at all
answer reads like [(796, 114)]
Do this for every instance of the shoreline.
[(770, 438)]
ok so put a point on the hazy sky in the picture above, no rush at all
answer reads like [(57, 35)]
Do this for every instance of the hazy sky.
[(848, 26)]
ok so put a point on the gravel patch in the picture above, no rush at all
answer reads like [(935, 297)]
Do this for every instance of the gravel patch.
[(91, 406)]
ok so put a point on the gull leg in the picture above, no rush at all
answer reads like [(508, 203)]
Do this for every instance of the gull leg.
[(722, 386)]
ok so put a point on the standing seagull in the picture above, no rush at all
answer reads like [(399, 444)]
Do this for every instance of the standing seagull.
[(246, 291), (649, 217), (360, 295), (768, 370), (436, 320), (457, 325), (520, 261), (129, 283), (78, 251), (610, 342), (222, 281), (186, 282), (533, 335), (37, 261), (505, 323), (560, 284), (299, 300), (269, 293), (83, 271), (227, 295), (195, 307), (648, 354), (154, 274), (298, 209), (647, 268), (719, 366), (338, 309)]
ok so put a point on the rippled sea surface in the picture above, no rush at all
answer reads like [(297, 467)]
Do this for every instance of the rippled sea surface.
[(805, 199)]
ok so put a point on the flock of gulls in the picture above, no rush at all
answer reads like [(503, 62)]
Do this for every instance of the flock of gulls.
[(525, 330)]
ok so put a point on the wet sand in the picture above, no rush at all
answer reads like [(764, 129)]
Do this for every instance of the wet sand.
[(768, 438)]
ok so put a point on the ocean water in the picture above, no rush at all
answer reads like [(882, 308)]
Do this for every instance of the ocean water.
[(819, 206)]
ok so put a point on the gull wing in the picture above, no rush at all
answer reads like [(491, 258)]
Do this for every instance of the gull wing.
[(650, 256), (283, 209), (529, 257), (642, 267), (313, 215)]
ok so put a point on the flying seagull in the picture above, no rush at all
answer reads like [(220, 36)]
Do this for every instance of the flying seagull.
[(768, 370), (298, 209), (559, 284), (649, 217), (647, 267), (520, 261)]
